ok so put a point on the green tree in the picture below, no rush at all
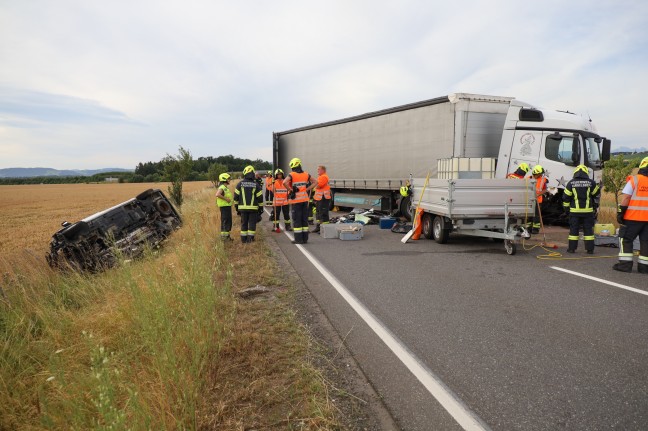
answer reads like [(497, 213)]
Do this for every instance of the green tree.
[(177, 169), (215, 169), (615, 175)]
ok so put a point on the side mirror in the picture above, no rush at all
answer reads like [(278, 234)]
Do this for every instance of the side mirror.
[(605, 151)]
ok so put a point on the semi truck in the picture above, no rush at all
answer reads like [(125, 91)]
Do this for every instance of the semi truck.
[(369, 157)]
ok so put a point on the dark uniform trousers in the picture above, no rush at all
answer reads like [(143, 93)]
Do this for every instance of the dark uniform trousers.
[(248, 225), (226, 221), (586, 220), (299, 215), (322, 206)]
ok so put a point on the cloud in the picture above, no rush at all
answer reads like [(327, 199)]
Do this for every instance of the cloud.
[(86, 84)]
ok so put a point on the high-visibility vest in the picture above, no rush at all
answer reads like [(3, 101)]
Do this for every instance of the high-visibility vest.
[(541, 186), (226, 193), (269, 183), (280, 193), (515, 176), (300, 180), (323, 189), (638, 206)]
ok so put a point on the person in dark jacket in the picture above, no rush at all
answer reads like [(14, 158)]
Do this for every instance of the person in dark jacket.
[(248, 202), (580, 201)]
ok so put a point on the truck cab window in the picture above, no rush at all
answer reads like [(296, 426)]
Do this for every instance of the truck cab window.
[(559, 150)]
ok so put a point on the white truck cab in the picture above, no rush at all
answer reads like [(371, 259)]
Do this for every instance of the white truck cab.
[(559, 141)]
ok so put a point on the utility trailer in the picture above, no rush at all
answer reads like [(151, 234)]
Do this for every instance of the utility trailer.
[(491, 208)]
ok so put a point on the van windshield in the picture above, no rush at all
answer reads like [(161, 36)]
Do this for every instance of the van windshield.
[(593, 153)]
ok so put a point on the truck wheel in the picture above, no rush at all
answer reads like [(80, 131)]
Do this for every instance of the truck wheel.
[(426, 225), (163, 207), (405, 208), (439, 230), (510, 247)]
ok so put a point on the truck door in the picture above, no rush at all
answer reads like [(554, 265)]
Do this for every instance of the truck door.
[(525, 148), (560, 154)]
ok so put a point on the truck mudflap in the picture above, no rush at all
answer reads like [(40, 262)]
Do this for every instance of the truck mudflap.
[(124, 231)]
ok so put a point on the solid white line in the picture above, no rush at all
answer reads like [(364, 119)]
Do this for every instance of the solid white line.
[(453, 405), (600, 280)]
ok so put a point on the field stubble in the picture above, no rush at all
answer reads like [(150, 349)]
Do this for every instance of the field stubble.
[(31, 214), (160, 343)]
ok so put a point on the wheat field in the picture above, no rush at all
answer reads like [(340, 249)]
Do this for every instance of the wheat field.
[(31, 214)]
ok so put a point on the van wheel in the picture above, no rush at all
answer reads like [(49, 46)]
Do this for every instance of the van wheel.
[(426, 225), (145, 194), (439, 230)]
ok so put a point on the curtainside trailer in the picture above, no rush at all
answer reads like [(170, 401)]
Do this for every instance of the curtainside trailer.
[(370, 156)]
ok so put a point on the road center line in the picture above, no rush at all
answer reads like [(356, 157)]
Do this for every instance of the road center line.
[(600, 280), (453, 405)]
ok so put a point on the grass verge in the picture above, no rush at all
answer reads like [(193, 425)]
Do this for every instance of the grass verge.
[(160, 343)]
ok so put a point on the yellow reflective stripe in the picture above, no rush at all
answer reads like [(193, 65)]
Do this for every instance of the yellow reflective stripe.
[(573, 237), (589, 237)]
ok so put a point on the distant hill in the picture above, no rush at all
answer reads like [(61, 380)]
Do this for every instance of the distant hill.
[(629, 150), (51, 172)]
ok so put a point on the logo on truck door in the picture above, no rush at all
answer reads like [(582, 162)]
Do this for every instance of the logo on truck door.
[(527, 141)]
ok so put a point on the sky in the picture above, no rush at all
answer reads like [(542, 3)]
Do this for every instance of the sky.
[(90, 84)]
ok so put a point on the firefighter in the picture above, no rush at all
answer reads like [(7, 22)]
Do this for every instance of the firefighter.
[(520, 172), (580, 201), (538, 173), (322, 197), (297, 183), (248, 201), (224, 200), (633, 214), (268, 189), (280, 202)]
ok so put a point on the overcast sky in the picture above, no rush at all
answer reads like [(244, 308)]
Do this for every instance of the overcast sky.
[(92, 84)]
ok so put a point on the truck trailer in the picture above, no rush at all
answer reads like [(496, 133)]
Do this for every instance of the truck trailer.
[(369, 157)]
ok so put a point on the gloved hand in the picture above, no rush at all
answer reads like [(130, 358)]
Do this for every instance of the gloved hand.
[(293, 192), (238, 213), (621, 213)]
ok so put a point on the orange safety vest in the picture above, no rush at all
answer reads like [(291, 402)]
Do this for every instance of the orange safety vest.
[(541, 186), (323, 189), (299, 180), (269, 183), (516, 176), (280, 194), (638, 206)]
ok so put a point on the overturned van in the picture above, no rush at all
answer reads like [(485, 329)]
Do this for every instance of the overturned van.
[(126, 230)]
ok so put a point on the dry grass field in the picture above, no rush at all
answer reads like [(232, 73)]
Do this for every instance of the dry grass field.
[(30, 214)]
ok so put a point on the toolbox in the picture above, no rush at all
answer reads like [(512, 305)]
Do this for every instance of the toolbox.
[(350, 234), (332, 230), (387, 222)]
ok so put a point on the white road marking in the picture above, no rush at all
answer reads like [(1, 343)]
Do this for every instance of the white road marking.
[(600, 280), (453, 405)]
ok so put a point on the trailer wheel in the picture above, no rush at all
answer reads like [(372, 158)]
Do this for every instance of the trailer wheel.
[(426, 225), (510, 247), (439, 230)]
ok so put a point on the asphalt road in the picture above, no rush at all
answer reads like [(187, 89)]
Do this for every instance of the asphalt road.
[(464, 336)]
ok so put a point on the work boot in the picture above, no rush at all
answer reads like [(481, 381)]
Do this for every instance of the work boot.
[(590, 251), (642, 269), (288, 228), (623, 266), (316, 230), (571, 250)]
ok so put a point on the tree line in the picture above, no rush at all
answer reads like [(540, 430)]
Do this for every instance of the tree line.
[(200, 169)]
